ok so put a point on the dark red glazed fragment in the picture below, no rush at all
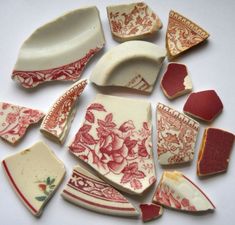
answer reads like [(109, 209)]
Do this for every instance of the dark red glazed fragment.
[(204, 105), (150, 211), (176, 81), (214, 152)]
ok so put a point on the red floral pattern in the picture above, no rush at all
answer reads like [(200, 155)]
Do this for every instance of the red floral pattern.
[(182, 34), (168, 197), (69, 72), (94, 188), (140, 20), (56, 121), (120, 153), (14, 121), (177, 135)]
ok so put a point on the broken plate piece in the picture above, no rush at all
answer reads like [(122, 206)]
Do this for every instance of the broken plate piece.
[(182, 34), (203, 105), (150, 211), (138, 68), (14, 121), (60, 49), (176, 81), (34, 174), (215, 151), (89, 191), (178, 192), (177, 135), (57, 122), (116, 142), (132, 21)]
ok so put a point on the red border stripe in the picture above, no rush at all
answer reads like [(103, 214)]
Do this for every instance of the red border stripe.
[(97, 204), (16, 188)]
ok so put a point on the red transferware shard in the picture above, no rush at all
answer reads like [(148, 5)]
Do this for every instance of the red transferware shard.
[(214, 152), (176, 81), (150, 211), (204, 105)]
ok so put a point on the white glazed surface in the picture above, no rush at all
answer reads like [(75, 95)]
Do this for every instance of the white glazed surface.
[(210, 66)]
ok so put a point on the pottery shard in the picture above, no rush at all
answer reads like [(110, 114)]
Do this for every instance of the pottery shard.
[(178, 192), (150, 211), (182, 34), (214, 153), (132, 21), (14, 121), (57, 122), (203, 105), (176, 81), (117, 142), (176, 136), (89, 191)]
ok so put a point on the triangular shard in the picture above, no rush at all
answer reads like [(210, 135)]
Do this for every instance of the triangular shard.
[(34, 173), (178, 192), (57, 122), (182, 34), (14, 121), (115, 140), (176, 136), (89, 191)]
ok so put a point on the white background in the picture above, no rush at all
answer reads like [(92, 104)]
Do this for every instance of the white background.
[(211, 66)]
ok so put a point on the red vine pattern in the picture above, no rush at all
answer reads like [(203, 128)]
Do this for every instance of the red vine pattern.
[(56, 120), (183, 34), (120, 153), (14, 121), (69, 72), (94, 188), (177, 135), (166, 196), (140, 20)]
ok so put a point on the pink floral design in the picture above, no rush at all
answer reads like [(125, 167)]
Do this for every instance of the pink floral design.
[(69, 72), (140, 20), (14, 121), (167, 197), (183, 34), (177, 135), (120, 153)]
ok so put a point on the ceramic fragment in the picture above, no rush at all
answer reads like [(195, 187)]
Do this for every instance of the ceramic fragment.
[(203, 105), (137, 69), (178, 192), (60, 49), (176, 81), (14, 121), (34, 174), (132, 21), (115, 140), (182, 34), (215, 151), (150, 211), (56, 124), (89, 191), (177, 135)]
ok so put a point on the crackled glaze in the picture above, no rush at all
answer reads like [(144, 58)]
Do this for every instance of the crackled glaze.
[(132, 21), (177, 134), (60, 49), (176, 81), (89, 191), (215, 150), (176, 191), (34, 173), (117, 143), (182, 34), (56, 123), (141, 65), (14, 121)]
